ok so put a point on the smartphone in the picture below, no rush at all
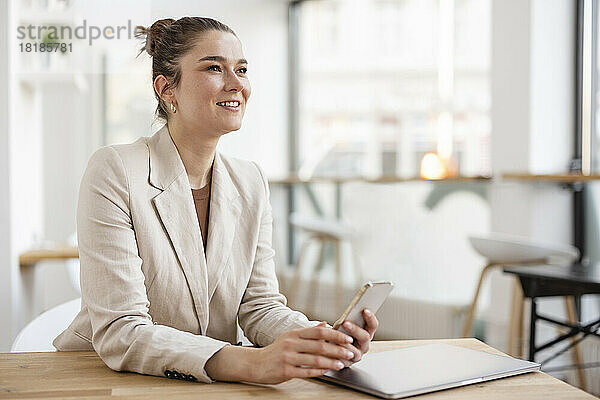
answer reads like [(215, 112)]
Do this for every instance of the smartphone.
[(372, 295)]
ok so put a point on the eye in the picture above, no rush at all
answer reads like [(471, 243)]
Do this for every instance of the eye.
[(243, 70), (215, 66)]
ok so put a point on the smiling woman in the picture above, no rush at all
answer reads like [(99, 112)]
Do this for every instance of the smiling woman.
[(175, 238)]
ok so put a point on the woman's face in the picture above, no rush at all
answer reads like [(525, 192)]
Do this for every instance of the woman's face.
[(212, 73)]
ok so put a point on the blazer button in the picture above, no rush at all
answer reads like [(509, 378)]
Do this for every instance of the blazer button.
[(176, 375), (168, 373)]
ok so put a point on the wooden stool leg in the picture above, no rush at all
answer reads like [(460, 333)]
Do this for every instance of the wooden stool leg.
[(572, 317), (471, 314), (293, 292), (314, 281), (339, 279), (515, 333)]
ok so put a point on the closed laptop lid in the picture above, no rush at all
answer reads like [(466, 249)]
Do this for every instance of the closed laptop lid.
[(427, 368)]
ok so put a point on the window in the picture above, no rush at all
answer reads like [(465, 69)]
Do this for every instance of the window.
[(379, 85), (382, 83)]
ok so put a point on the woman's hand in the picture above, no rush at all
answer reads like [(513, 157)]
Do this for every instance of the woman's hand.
[(302, 353), (362, 336)]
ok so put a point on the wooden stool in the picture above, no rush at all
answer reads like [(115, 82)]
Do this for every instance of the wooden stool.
[(321, 232), (501, 250)]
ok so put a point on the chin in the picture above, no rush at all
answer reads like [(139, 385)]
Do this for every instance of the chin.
[(234, 127), (229, 130)]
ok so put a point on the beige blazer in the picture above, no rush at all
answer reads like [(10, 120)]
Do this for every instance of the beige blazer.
[(151, 302)]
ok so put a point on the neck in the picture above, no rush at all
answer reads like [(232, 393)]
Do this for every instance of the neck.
[(197, 151)]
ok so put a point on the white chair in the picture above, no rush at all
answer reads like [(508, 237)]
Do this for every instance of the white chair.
[(321, 231), (39, 333)]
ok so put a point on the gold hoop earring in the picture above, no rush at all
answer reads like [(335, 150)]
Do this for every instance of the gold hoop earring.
[(173, 108)]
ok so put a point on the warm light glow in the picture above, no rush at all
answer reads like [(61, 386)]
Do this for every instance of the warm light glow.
[(444, 131), (433, 167)]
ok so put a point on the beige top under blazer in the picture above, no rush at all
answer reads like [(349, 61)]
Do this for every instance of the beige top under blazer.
[(151, 302)]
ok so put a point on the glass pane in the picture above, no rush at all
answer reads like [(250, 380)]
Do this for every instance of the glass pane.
[(381, 83)]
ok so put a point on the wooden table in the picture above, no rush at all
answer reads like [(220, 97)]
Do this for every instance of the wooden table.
[(296, 180), (83, 375), (555, 178)]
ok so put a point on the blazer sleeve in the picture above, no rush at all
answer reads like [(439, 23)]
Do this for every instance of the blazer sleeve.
[(112, 283), (263, 314)]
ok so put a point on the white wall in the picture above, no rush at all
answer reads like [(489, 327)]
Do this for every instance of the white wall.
[(532, 128), (552, 74), (6, 260)]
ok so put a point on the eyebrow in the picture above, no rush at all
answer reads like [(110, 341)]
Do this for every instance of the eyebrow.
[(221, 59)]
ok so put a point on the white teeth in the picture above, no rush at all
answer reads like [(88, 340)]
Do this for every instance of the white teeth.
[(229, 103)]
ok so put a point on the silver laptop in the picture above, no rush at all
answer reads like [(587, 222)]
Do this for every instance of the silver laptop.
[(415, 370)]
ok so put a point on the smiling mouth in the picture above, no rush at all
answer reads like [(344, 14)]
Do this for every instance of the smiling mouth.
[(229, 105)]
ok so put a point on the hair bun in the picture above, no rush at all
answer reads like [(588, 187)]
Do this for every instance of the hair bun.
[(153, 34)]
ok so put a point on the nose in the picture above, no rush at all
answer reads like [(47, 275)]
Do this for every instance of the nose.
[(233, 82)]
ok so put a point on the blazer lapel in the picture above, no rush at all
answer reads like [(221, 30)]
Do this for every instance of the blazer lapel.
[(175, 207), (225, 209)]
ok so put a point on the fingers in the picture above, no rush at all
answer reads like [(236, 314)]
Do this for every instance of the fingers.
[(372, 322), (357, 332), (315, 361), (319, 347), (357, 354), (321, 332), (363, 336), (347, 363), (299, 372)]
